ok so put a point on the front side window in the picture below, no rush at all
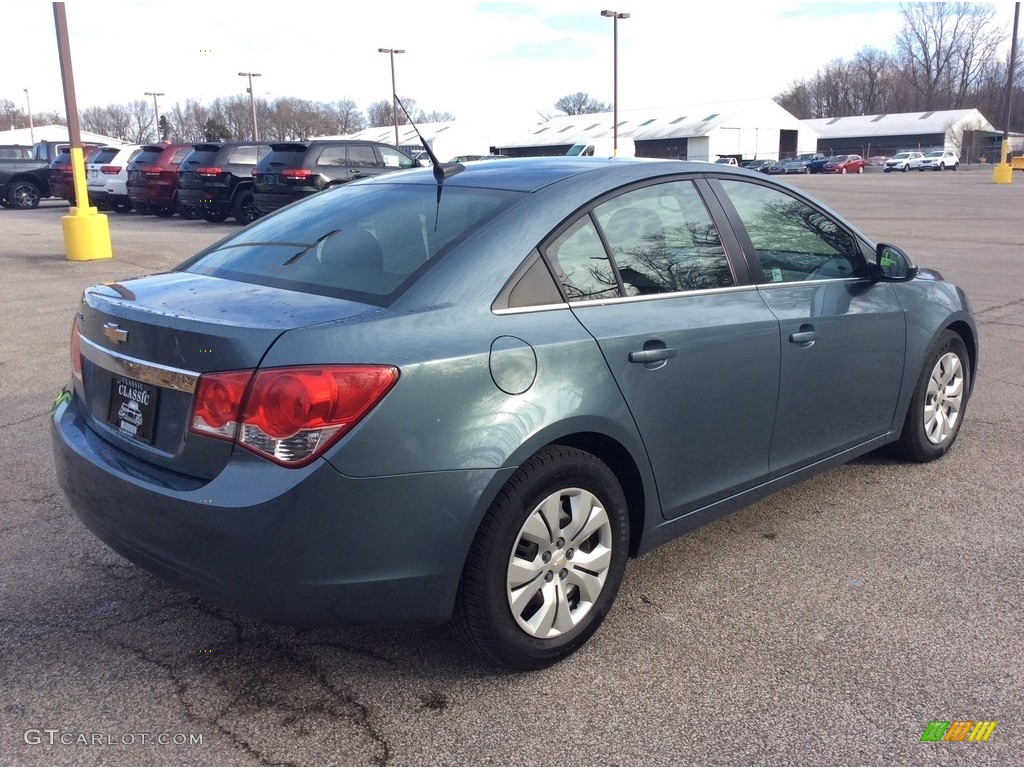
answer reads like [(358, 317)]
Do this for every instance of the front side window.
[(793, 240), (362, 155), (394, 159)]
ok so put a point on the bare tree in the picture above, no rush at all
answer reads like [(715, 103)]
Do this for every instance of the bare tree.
[(581, 103), (141, 122), (943, 47), (381, 113), (347, 117)]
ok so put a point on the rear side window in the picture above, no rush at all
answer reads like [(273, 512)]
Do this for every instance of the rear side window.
[(179, 155), (652, 240), (363, 242), (333, 156)]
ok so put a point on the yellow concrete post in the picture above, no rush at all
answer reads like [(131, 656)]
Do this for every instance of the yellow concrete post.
[(86, 230), (1003, 172)]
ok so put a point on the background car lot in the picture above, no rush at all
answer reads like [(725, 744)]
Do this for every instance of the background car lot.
[(818, 626)]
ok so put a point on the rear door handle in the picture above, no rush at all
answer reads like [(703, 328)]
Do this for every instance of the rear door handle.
[(805, 337)]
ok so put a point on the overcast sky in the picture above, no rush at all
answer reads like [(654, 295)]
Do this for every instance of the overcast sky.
[(481, 61)]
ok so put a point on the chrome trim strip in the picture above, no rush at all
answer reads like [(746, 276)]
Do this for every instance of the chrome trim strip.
[(657, 296), (810, 283), (149, 373)]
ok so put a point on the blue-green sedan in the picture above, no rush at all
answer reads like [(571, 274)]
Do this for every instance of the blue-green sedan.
[(469, 394)]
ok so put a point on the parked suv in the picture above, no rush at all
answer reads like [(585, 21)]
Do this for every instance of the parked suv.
[(153, 180), (59, 176), (939, 160), (903, 161), (216, 179), (106, 175), (801, 163), (295, 169)]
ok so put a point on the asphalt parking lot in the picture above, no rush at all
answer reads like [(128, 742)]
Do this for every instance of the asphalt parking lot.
[(828, 624)]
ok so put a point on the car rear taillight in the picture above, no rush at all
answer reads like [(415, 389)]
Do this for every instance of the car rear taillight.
[(297, 173), (288, 415), (110, 169), (208, 171), (76, 352), (152, 170)]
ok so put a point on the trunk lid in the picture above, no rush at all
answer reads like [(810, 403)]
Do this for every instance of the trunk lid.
[(144, 343)]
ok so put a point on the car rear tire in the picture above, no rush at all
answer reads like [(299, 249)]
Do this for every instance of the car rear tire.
[(547, 561), (118, 206), (163, 211), (244, 209), (4, 203), (213, 216), (23, 194), (940, 399)]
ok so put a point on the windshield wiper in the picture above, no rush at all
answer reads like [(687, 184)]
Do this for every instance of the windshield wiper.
[(310, 247)]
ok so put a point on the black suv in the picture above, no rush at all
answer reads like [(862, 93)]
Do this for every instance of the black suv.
[(295, 169), (216, 179)]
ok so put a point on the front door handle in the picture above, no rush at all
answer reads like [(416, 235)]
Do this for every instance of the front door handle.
[(652, 355)]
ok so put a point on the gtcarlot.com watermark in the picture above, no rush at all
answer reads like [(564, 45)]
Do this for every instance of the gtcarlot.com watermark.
[(56, 737)]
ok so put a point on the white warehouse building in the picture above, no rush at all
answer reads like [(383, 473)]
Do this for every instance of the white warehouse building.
[(749, 129)]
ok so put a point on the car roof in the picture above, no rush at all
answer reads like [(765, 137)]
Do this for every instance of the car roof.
[(529, 174)]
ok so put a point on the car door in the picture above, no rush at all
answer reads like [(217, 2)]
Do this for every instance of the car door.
[(691, 344), (842, 336)]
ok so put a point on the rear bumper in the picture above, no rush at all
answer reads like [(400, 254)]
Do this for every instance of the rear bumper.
[(267, 202), (293, 546), (212, 197)]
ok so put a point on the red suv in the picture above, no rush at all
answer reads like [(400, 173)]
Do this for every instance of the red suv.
[(153, 180), (59, 176)]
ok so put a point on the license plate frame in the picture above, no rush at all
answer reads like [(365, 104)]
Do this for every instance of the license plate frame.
[(133, 408)]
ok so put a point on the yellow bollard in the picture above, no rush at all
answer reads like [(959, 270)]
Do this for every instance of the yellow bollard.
[(86, 230), (1003, 172)]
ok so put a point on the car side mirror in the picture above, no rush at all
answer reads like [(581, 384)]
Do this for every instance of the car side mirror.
[(893, 264)]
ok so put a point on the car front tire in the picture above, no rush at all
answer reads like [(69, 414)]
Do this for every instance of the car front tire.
[(547, 561), (23, 195), (939, 401)]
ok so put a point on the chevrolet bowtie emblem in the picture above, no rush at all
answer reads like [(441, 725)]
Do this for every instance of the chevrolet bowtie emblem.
[(114, 333)]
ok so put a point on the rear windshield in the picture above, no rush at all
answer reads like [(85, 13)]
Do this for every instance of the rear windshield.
[(105, 155), (147, 157), (198, 157), (367, 243), (283, 157)]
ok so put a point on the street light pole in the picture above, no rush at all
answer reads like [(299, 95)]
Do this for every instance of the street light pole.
[(156, 110), (615, 16), (394, 93), (31, 127), (252, 102)]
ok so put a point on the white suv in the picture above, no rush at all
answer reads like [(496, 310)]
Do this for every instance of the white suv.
[(106, 177), (904, 161), (940, 160)]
